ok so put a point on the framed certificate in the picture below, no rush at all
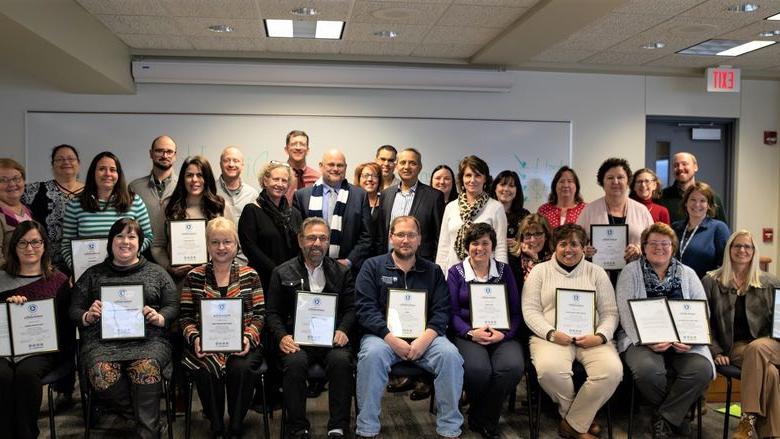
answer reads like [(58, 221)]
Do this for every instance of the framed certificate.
[(653, 321), (406, 312), (315, 318), (221, 325), (489, 306), (776, 314), (691, 319), (5, 332), (123, 316), (188, 242), (575, 311), (87, 252), (610, 241), (33, 327)]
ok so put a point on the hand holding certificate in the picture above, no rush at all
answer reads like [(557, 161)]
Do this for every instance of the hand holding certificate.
[(31, 328), (122, 315), (489, 306), (188, 242), (87, 252), (315, 318), (221, 325), (575, 312), (610, 241), (406, 312)]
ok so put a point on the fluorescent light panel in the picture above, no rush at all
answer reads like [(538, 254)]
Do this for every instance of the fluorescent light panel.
[(320, 29), (745, 48), (775, 17), (724, 47)]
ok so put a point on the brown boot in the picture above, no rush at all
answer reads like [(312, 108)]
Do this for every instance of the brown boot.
[(595, 429), (566, 431), (746, 428)]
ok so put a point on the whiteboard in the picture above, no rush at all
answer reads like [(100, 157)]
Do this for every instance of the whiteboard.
[(534, 149)]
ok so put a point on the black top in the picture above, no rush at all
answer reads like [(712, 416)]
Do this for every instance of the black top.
[(741, 328)]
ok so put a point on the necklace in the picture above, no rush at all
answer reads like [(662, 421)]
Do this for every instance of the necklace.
[(609, 217), (68, 193)]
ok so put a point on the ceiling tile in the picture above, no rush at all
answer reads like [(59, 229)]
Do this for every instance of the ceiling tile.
[(156, 42), (611, 30), (473, 15), (396, 12), (373, 48), (751, 31), (122, 7), (140, 24), (443, 2), (293, 45), (200, 26), (719, 9), (660, 7), (563, 55), (623, 59), (676, 60), (407, 33), (326, 9), (229, 44), (211, 8), (459, 35), (678, 33), (508, 3), (446, 50)]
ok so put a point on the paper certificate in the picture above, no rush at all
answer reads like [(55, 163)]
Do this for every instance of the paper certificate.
[(406, 312), (776, 315), (489, 306), (653, 321), (87, 252), (315, 318), (33, 327), (691, 318), (575, 311), (221, 322), (188, 242), (122, 316), (610, 241), (5, 332)]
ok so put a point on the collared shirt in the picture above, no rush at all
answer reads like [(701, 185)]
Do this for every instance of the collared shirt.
[(470, 276), (236, 199), (402, 204), (316, 278), (329, 197), (310, 175), (161, 185)]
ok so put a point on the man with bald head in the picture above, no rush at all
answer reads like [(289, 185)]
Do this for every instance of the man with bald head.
[(343, 206), (230, 187), (685, 166)]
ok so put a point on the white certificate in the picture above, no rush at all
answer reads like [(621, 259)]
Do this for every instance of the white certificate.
[(776, 315), (5, 332), (188, 242), (87, 252), (33, 327), (222, 328), (653, 321), (406, 311), (122, 316), (610, 241), (691, 318), (575, 311), (489, 306), (315, 318)]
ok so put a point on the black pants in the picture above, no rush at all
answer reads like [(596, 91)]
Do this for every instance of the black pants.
[(489, 374), (239, 380), (338, 368), (21, 393)]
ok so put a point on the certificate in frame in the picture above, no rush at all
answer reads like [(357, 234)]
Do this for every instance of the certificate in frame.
[(33, 327), (188, 242), (683, 311), (122, 318), (776, 314), (315, 318), (221, 313), (86, 252), (403, 312), (572, 302), (610, 241), (663, 330), (487, 300)]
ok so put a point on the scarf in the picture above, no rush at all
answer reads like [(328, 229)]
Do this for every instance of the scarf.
[(315, 209), (670, 287), (467, 215), (280, 216)]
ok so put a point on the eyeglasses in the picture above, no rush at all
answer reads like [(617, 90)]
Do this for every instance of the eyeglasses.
[(406, 235), (16, 180), (661, 244), (369, 177), (298, 145), (60, 160), (35, 243), (533, 235), (164, 152), (278, 163), (644, 181), (746, 247), (311, 239), (226, 243)]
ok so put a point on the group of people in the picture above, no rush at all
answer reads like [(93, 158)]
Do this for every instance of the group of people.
[(311, 230)]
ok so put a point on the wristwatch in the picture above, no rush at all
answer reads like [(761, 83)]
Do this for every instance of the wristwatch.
[(551, 336), (470, 334)]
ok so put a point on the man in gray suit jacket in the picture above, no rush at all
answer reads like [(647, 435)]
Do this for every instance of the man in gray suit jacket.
[(414, 198), (343, 206)]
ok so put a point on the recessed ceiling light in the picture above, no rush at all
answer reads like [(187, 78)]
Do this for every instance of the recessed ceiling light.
[(744, 7), (305, 11), (320, 29), (769, 33), (652, 46), (221, 28), (774, 17), (386, 34), (745, 48)]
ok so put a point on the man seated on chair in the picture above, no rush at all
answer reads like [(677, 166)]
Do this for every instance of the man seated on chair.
[(314, 272), (380, 348)]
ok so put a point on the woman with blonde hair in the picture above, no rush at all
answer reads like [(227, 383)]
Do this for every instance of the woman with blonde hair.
[(741, 303)]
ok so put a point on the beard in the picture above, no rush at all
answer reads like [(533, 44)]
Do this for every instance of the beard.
[(162, 166), (401, 256)]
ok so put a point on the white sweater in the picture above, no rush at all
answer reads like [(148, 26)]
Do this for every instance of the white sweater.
[(539, 295)]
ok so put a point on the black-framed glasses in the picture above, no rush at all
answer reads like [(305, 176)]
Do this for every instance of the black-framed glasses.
[(35, 243)]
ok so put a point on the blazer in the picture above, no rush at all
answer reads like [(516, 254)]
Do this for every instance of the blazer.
[(427, 207), (356, 233)]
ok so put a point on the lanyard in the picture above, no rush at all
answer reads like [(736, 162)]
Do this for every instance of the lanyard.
[(683, 242)]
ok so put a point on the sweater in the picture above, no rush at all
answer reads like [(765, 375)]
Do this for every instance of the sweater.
[(704, 250), (552, 214), (638, 217), (658, 212), (539, 295), (145, 188)]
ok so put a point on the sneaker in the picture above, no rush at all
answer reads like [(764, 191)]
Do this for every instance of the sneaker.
[(661, 429), (746, 428)]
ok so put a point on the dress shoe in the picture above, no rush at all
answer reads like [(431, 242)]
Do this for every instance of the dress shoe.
[(566, 431), (595, 429), (315, 388), (401, 384), (421, 391), (485, 432)]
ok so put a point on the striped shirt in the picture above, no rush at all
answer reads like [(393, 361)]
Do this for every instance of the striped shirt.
[(78, 223)]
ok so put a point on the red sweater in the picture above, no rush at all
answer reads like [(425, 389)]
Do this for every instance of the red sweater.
[(658, 212)]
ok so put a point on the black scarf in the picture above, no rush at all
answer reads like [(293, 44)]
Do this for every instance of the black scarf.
[(281, 216)]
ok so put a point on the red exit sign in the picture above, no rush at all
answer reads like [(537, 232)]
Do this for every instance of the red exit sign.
[(723, 79)]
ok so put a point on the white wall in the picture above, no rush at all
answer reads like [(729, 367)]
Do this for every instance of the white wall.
[(607, 114)]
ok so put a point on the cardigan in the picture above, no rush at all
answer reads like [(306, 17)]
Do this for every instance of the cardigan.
[(552, 214), (631, 285), (539, 297), (705, 251), (758, 308), (638, 217), (493, 213), (200, 283), (658, 212)]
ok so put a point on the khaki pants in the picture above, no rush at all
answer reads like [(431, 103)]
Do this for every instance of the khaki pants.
[(553, 365), (760, 381)]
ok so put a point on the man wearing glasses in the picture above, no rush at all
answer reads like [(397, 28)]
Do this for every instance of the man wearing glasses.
[(297, 148), (313, 271), (159, 184)]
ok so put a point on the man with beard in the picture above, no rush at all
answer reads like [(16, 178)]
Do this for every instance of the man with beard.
[(159, 184), (385, 158), (685, 167), (312, 271), (380, 349)]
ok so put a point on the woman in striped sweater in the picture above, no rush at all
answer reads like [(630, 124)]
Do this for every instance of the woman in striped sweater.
[(216, 371), (105, 199)]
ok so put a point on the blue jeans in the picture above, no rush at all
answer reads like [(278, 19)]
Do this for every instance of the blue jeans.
[(441, 358)]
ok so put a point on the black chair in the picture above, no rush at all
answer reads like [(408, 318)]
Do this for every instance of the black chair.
[(730, 373), (407, 369), (62, 371), (189, 382), (698, 405)]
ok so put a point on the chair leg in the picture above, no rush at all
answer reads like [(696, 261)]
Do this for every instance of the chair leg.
[(631, 410), (266, 427), (530, 406), (188, 413), (88, 421), (698, 418), (432, 401), (169, 406), (284, 422), (538, 414), (513, 400), (609, 418), (52, 428), (728, 409)]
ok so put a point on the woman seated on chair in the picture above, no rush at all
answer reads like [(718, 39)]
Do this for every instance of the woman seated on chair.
[(657, 274), (112, 365), (29, 275), (213, 372), (741, 303), (553, 351), (492, 358)]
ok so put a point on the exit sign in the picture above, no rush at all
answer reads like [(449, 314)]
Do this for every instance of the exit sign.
[(723, 80)]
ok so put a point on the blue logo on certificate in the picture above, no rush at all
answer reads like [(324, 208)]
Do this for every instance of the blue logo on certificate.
[(408, 297), (32, 308), (487, 290), (91, 245), (317, 300), (221, 306), (188, 227), (576, 297)]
